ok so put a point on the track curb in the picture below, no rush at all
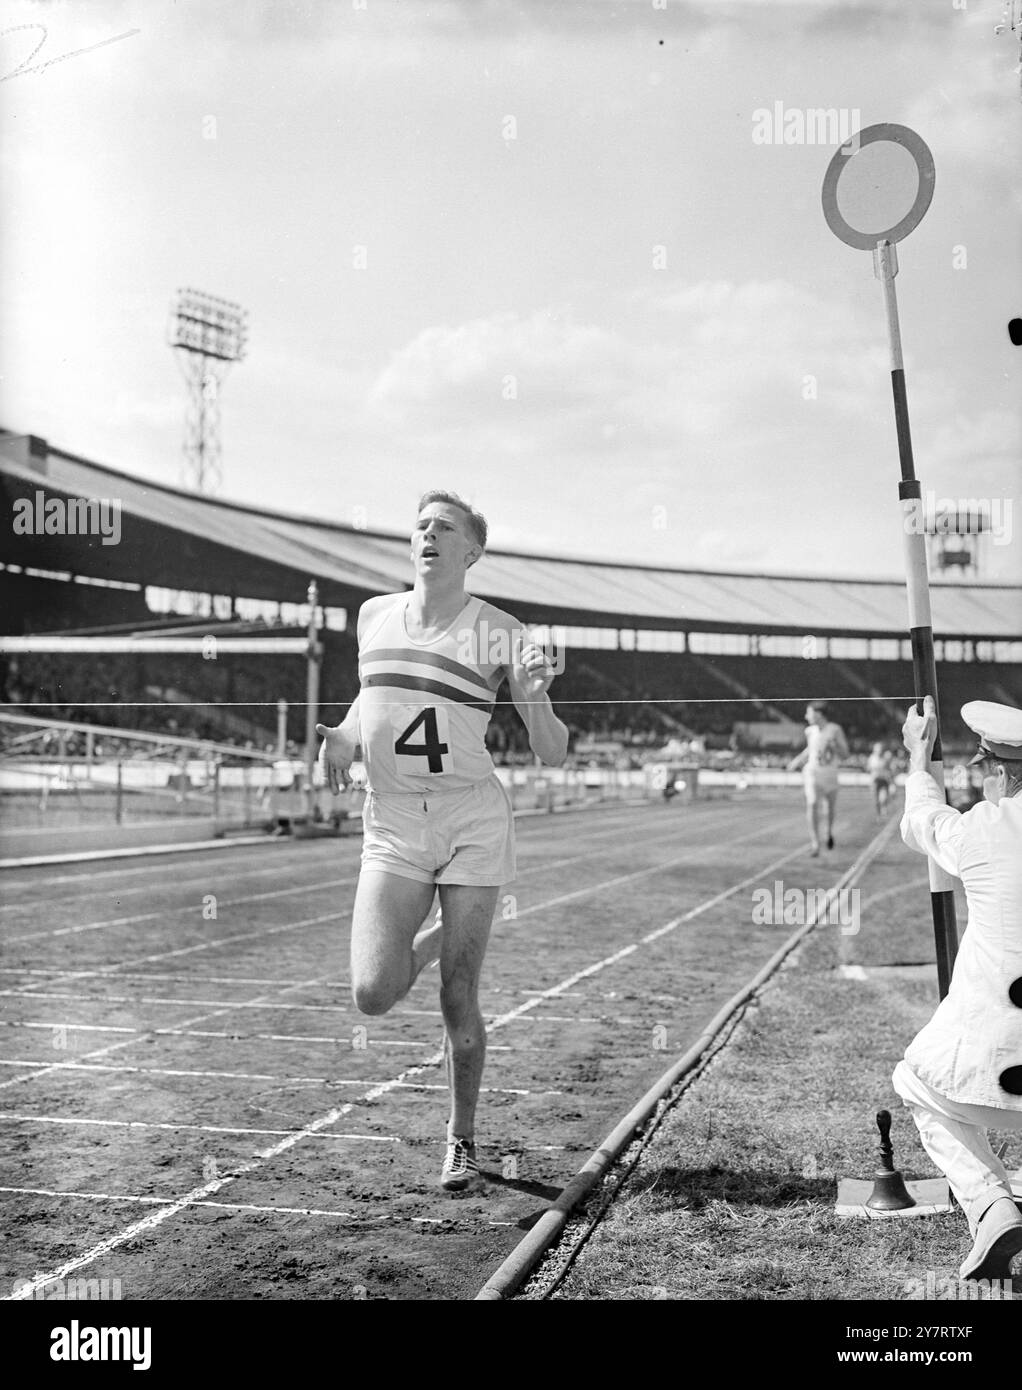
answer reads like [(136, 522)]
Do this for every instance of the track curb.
[(85, 856), (504, 1282)]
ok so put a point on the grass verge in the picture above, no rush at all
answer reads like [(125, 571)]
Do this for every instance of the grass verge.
[(733, 1197)]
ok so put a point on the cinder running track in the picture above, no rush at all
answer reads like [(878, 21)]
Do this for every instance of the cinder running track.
[(190, 1104)]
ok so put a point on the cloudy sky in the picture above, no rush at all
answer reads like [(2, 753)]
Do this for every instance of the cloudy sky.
[(538, 252)]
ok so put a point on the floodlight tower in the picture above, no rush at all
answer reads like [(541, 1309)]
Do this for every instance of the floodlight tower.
[(955, 538), (208, 334), (1011, 23)]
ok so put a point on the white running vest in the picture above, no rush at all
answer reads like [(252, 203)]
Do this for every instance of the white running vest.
[(424, 708), (823, 747)]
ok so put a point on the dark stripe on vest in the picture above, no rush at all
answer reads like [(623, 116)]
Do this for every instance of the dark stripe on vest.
[(426, 659), (449, 692)]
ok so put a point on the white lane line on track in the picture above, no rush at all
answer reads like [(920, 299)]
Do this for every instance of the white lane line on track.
[(153, 882), (169, 1201), (698, 848), (152, 976), (260, 1076), (37, 1070), (183, 1071), (90, 875), (92, 856), (35, 1074), (295, 862), (360, 1220), (670, 926), (245, 1132), (198, 1194), (333, 1039), (149, 886), (330, 1117), (107, 971), (106, 999), (197, 1129), (616, 882), (31, 936), (195, 905), (568, 994), (191, 1129), (484, 1091), (192, 907), (118, 893), (48, 972), (338, 1040), (710, 902), (913, 883)]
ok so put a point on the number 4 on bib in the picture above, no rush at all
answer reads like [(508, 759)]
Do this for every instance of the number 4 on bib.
[(434, 743)]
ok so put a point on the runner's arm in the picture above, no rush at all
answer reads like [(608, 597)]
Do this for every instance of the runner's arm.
[(529, 675), (338, 749), (339, 746)]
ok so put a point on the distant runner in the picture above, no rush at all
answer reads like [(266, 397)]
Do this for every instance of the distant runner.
[(880, 766), (825, 749)]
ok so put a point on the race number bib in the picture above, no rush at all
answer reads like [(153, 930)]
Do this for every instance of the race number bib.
[(826, 753), (422, 742)]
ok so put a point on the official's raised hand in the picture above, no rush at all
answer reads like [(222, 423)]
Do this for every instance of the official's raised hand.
[(919, 730)]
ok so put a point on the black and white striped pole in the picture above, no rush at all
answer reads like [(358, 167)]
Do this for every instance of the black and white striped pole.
[(315, 656), (880, 187)]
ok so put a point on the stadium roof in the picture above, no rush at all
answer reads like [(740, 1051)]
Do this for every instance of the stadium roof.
[(181, 540)]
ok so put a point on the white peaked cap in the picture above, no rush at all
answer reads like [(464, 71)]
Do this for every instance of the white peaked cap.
[(999, 728)]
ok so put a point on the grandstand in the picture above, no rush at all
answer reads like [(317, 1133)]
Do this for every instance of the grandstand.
[(653, 652)]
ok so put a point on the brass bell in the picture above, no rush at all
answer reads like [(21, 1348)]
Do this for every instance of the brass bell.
[(889, 1190)]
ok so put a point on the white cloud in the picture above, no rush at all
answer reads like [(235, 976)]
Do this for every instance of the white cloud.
[(721, 353), (977, 454), (544, 361)]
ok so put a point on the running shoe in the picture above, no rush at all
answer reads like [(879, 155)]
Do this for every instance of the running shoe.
[(460, 1166), (830, 841)]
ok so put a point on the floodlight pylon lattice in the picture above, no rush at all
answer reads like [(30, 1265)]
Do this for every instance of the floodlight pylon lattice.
[(1011, 23), (208, 334), (955, 541)]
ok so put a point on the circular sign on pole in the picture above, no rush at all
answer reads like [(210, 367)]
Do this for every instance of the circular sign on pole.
[(878, 186)]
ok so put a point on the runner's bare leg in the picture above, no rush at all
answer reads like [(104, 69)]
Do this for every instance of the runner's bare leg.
[(467, 916), (387, 950), (813, 818), (831, 799)]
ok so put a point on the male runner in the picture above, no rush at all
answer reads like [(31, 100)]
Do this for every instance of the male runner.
[(880, 766), (825, 748), (436, 817)]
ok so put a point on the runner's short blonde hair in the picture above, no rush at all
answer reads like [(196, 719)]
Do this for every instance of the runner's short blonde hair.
[(476, 520)]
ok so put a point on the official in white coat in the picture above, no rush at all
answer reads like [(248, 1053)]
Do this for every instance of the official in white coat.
[(962, 1074)]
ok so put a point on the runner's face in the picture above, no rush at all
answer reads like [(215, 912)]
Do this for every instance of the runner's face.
[(441, 544)]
